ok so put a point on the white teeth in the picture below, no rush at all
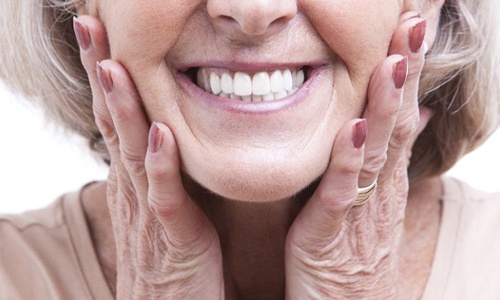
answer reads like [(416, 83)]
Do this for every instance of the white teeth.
[(281, 94), (215, 83), (268, 97), (242, 84), (276, 81), (226, 83), (287, 80), (234, 96), (256, 98), (262, 86)]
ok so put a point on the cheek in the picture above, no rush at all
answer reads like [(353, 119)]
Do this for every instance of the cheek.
[(141, 32), (359, 32)]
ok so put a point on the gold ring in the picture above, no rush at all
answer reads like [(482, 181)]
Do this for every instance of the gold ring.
[(365, 193)]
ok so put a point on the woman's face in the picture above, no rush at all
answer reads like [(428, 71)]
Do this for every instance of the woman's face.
[(249, 148)]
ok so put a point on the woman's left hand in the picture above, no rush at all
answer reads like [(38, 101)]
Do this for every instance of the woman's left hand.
[(335, 250)]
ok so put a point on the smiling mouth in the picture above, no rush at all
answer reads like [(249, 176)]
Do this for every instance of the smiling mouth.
[(249, 87)]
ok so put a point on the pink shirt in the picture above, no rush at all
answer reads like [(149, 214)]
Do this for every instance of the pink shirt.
[(48, 253)]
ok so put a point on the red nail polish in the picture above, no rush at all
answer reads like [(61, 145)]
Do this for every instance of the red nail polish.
[(104, 78), (417, 35), (359, 134), (82, 34), (155, 138), (400, 72)]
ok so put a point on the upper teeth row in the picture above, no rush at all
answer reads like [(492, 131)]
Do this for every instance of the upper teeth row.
[(261, 86)]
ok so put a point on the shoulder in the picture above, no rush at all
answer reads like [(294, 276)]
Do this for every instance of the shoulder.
[(467, 245), (48, 218), (460, 193), (475, 212), (37, 252)]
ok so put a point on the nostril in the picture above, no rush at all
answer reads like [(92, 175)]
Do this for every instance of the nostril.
[(227, 19), (252, 18), (279, 21), (278, 24)]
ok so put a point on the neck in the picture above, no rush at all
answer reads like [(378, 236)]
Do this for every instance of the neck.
[(252, 236)]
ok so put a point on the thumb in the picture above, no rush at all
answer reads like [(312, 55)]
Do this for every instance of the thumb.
[(320, 220)]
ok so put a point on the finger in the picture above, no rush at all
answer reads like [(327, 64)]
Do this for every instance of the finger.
[(128, 120), (384, 102), (92, 39), (184, 222), (407, 40), (320, 219)]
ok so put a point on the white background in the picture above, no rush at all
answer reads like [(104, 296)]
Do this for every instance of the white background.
[(38, 163)]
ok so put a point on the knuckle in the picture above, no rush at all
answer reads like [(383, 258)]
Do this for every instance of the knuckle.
[(351, 168), (133, 162), (335, 201), (103, 122), (404, 129), (157, 172), (109, 135), (120, 109), (374, 162), (111, 138)]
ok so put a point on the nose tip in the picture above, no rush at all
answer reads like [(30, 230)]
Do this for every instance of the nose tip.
[(253, 17)]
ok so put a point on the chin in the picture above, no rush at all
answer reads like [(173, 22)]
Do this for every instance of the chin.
[(258, 181)]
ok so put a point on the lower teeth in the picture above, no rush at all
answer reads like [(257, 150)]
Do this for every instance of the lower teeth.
[(258, 98)]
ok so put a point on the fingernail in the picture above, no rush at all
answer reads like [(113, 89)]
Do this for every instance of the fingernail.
[(155, 138), (399, 72), (359, 134), (416, 36), (82, 34), (104, 78)]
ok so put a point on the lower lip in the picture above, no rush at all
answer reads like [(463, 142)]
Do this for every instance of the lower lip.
[(238, 106)]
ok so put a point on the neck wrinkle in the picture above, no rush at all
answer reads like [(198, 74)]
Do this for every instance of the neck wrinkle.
[(253, 237)]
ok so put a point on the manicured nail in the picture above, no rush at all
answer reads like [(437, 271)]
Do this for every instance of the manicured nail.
[(417, 35), (82, 34), (155, 138), (399, 72), (104, 78), (359, 134)]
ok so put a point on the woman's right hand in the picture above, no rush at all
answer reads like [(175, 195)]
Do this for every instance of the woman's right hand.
[(166, 246)]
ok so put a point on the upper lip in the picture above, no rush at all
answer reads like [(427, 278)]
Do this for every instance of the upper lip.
[(248, 67)]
